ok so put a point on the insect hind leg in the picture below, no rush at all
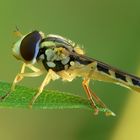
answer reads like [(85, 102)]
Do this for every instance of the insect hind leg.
[(97, 99), (92, 97)]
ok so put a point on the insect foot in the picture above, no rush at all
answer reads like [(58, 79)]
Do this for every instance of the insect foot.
[(96, 111), (109, 113), (2, 98)]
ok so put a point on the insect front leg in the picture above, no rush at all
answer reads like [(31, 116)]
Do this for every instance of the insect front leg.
[(20, 76), (51, 75), (16, 80), (32, 68)]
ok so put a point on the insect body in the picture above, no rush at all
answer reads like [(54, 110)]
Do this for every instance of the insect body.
[(61, 58)]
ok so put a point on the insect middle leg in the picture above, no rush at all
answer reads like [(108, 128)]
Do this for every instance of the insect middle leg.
[(51, 75)]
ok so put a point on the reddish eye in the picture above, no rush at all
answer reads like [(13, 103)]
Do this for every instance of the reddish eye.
[(29, 45)]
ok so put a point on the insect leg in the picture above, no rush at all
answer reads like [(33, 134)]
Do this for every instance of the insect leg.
[(33, 68), (90, 97), (97, 99), (51, 75), (19, 77), (100, 102), (22, 74), (94, 96)]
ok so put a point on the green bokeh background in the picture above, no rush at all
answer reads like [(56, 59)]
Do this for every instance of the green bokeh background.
[(108, 30)]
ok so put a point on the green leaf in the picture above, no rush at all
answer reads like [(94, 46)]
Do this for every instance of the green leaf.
[(21, 97)]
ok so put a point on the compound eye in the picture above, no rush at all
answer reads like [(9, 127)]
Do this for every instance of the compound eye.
[(29, 46)]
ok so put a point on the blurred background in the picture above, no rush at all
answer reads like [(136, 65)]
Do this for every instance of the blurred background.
[(109, 31)]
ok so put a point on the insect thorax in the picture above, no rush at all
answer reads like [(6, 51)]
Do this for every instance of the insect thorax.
[(53, 58), (59, 56)]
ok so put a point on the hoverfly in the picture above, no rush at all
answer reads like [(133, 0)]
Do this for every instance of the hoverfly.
[(59, 57)]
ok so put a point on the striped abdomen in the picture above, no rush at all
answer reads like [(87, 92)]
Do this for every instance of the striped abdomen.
[(107, 73)]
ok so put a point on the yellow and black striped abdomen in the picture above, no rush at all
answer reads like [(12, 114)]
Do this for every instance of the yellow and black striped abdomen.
[(107, 73)]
